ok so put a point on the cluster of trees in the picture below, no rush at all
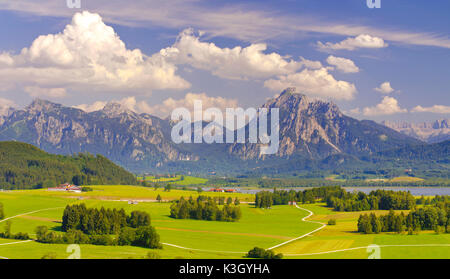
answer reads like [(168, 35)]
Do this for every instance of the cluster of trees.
[(425, 218), (23, 166), (101, 221), (93, 226), (7, 233), (379, 199), (260, 253), (266, 199), (206, 208)]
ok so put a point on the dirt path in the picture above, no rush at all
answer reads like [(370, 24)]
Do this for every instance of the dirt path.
[(302, 236)]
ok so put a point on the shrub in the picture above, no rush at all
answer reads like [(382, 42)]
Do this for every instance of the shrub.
[(260, 253)]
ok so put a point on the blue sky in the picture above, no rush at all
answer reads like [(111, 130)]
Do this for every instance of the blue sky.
[(237, 53)]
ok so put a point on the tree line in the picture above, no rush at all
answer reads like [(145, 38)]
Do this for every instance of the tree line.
[(101, 221), (339, 199), (375, 200), (206, 208), (436, 217), (265, 199)]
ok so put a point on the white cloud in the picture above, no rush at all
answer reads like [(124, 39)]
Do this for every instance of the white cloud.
[(433, 109), (167, 106), (352, 43), (385, 88), (343, 64), (310, 64), (234, 63), (388, 106), (35, 91), (92, 107), (88, 54), (248, 23), (318, 83)]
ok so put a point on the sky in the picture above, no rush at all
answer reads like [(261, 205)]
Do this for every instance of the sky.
[(387, 63)]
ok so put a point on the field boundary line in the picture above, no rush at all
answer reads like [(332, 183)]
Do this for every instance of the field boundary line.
[(17, 242), (31, 212), (364, 247), (302, 236), (201, 250)]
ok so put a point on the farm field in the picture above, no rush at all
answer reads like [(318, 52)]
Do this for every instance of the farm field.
[(209, 239), (188, 180)]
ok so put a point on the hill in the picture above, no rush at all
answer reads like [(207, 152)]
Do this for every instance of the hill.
[(24, 166)]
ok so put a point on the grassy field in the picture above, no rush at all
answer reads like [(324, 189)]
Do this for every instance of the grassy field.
[(343, 242), (188, 180), (206, 239)]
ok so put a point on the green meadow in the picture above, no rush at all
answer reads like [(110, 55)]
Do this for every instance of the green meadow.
[(208, 239)]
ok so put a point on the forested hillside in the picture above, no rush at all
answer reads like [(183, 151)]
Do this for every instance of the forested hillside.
[(24, 166)]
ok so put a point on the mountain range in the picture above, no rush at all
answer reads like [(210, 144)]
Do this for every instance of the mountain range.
[(314, 135), (431, 132)]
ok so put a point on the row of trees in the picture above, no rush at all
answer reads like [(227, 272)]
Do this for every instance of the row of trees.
[(7, 233), (104, 221), (266, 199), (143, 236), (428, 218), (379, 199), (205, 208)]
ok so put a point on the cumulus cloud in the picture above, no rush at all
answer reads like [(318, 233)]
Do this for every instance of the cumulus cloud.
[(234, 63), (385, 88), (35, 91), (88, 54), (318, 83), (388, 106), (433, 109), (343, 64), (167, 106), (310, 64), (352, 43)]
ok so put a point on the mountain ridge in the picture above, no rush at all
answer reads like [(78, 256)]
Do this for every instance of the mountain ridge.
[(310, 129)]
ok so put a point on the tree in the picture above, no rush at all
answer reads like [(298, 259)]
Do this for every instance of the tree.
[(168, 188), (158, 198), (236, 201), (7, 230), (147, 237), (2, 212), (229, 200)]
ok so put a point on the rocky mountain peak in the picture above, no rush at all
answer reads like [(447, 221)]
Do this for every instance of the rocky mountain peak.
[(39, 105), (114, 109)]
